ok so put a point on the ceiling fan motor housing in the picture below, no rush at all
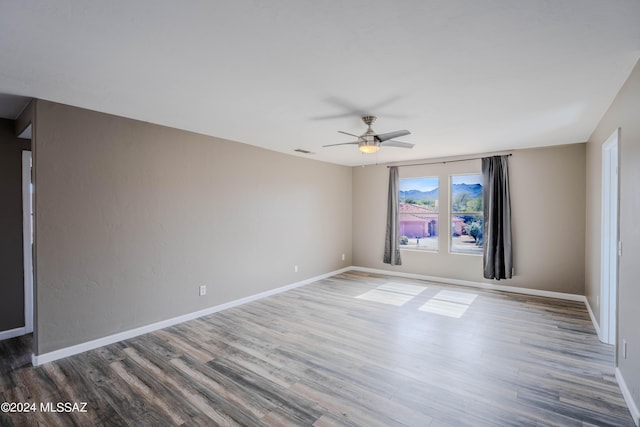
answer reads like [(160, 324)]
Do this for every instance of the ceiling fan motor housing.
[(368, 120)]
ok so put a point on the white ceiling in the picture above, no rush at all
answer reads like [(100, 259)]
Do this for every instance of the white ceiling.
[(464, 76)]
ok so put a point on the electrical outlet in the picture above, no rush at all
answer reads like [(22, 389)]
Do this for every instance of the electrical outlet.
[(343, 257), (624, 349), (295, 268), (203, 290)]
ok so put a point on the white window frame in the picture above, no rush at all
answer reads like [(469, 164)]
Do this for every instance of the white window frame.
[(438, 215)]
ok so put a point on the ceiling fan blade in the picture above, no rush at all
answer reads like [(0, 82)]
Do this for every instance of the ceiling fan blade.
[(396, 144), (350, 134), (342, 143), (390, 135)]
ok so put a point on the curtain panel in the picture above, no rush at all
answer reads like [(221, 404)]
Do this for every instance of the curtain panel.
[(392, 240), (497, 250)]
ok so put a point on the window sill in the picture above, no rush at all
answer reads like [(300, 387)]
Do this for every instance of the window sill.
[(466, 253), (429, 251)]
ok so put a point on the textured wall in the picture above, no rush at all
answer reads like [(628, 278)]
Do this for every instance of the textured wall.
[(547, 201), (131, 218)]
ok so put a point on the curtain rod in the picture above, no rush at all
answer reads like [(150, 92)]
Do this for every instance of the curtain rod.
[(446, 161)]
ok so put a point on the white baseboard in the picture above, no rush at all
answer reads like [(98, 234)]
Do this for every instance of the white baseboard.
[(121, 336), (633, 408), (490, 286), (12, 333), (593, 318)]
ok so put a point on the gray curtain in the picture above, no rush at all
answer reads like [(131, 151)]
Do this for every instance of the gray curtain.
[(497, 252), (392, 240)]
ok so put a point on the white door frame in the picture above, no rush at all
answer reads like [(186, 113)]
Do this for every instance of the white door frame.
[(610, 241), (27, 240)]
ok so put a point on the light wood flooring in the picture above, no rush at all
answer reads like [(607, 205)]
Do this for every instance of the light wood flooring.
[(351, 350)]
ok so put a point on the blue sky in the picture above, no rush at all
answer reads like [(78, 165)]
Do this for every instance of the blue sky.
[(431, 182), (467, 179), (422, 184)]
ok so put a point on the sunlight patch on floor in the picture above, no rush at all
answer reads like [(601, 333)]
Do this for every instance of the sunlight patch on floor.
[(453, 296), (449, 303), (392, 293)]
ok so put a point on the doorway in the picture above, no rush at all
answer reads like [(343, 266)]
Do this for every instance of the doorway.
[(27, 239), (610, 239)]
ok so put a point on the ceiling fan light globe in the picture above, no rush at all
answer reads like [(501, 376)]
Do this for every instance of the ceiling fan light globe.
[(369, 149)]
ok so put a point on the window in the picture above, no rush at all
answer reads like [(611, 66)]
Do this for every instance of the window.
[(467, 222), (418, 213)]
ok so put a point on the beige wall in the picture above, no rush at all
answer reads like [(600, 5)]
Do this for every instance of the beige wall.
[(547, 201), (623, 114), (131, 218), (11, 265)]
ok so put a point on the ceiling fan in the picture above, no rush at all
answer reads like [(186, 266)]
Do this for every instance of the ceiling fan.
[(370, 142)]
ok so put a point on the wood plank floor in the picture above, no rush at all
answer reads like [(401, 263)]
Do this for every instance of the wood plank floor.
[(351, 350)]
